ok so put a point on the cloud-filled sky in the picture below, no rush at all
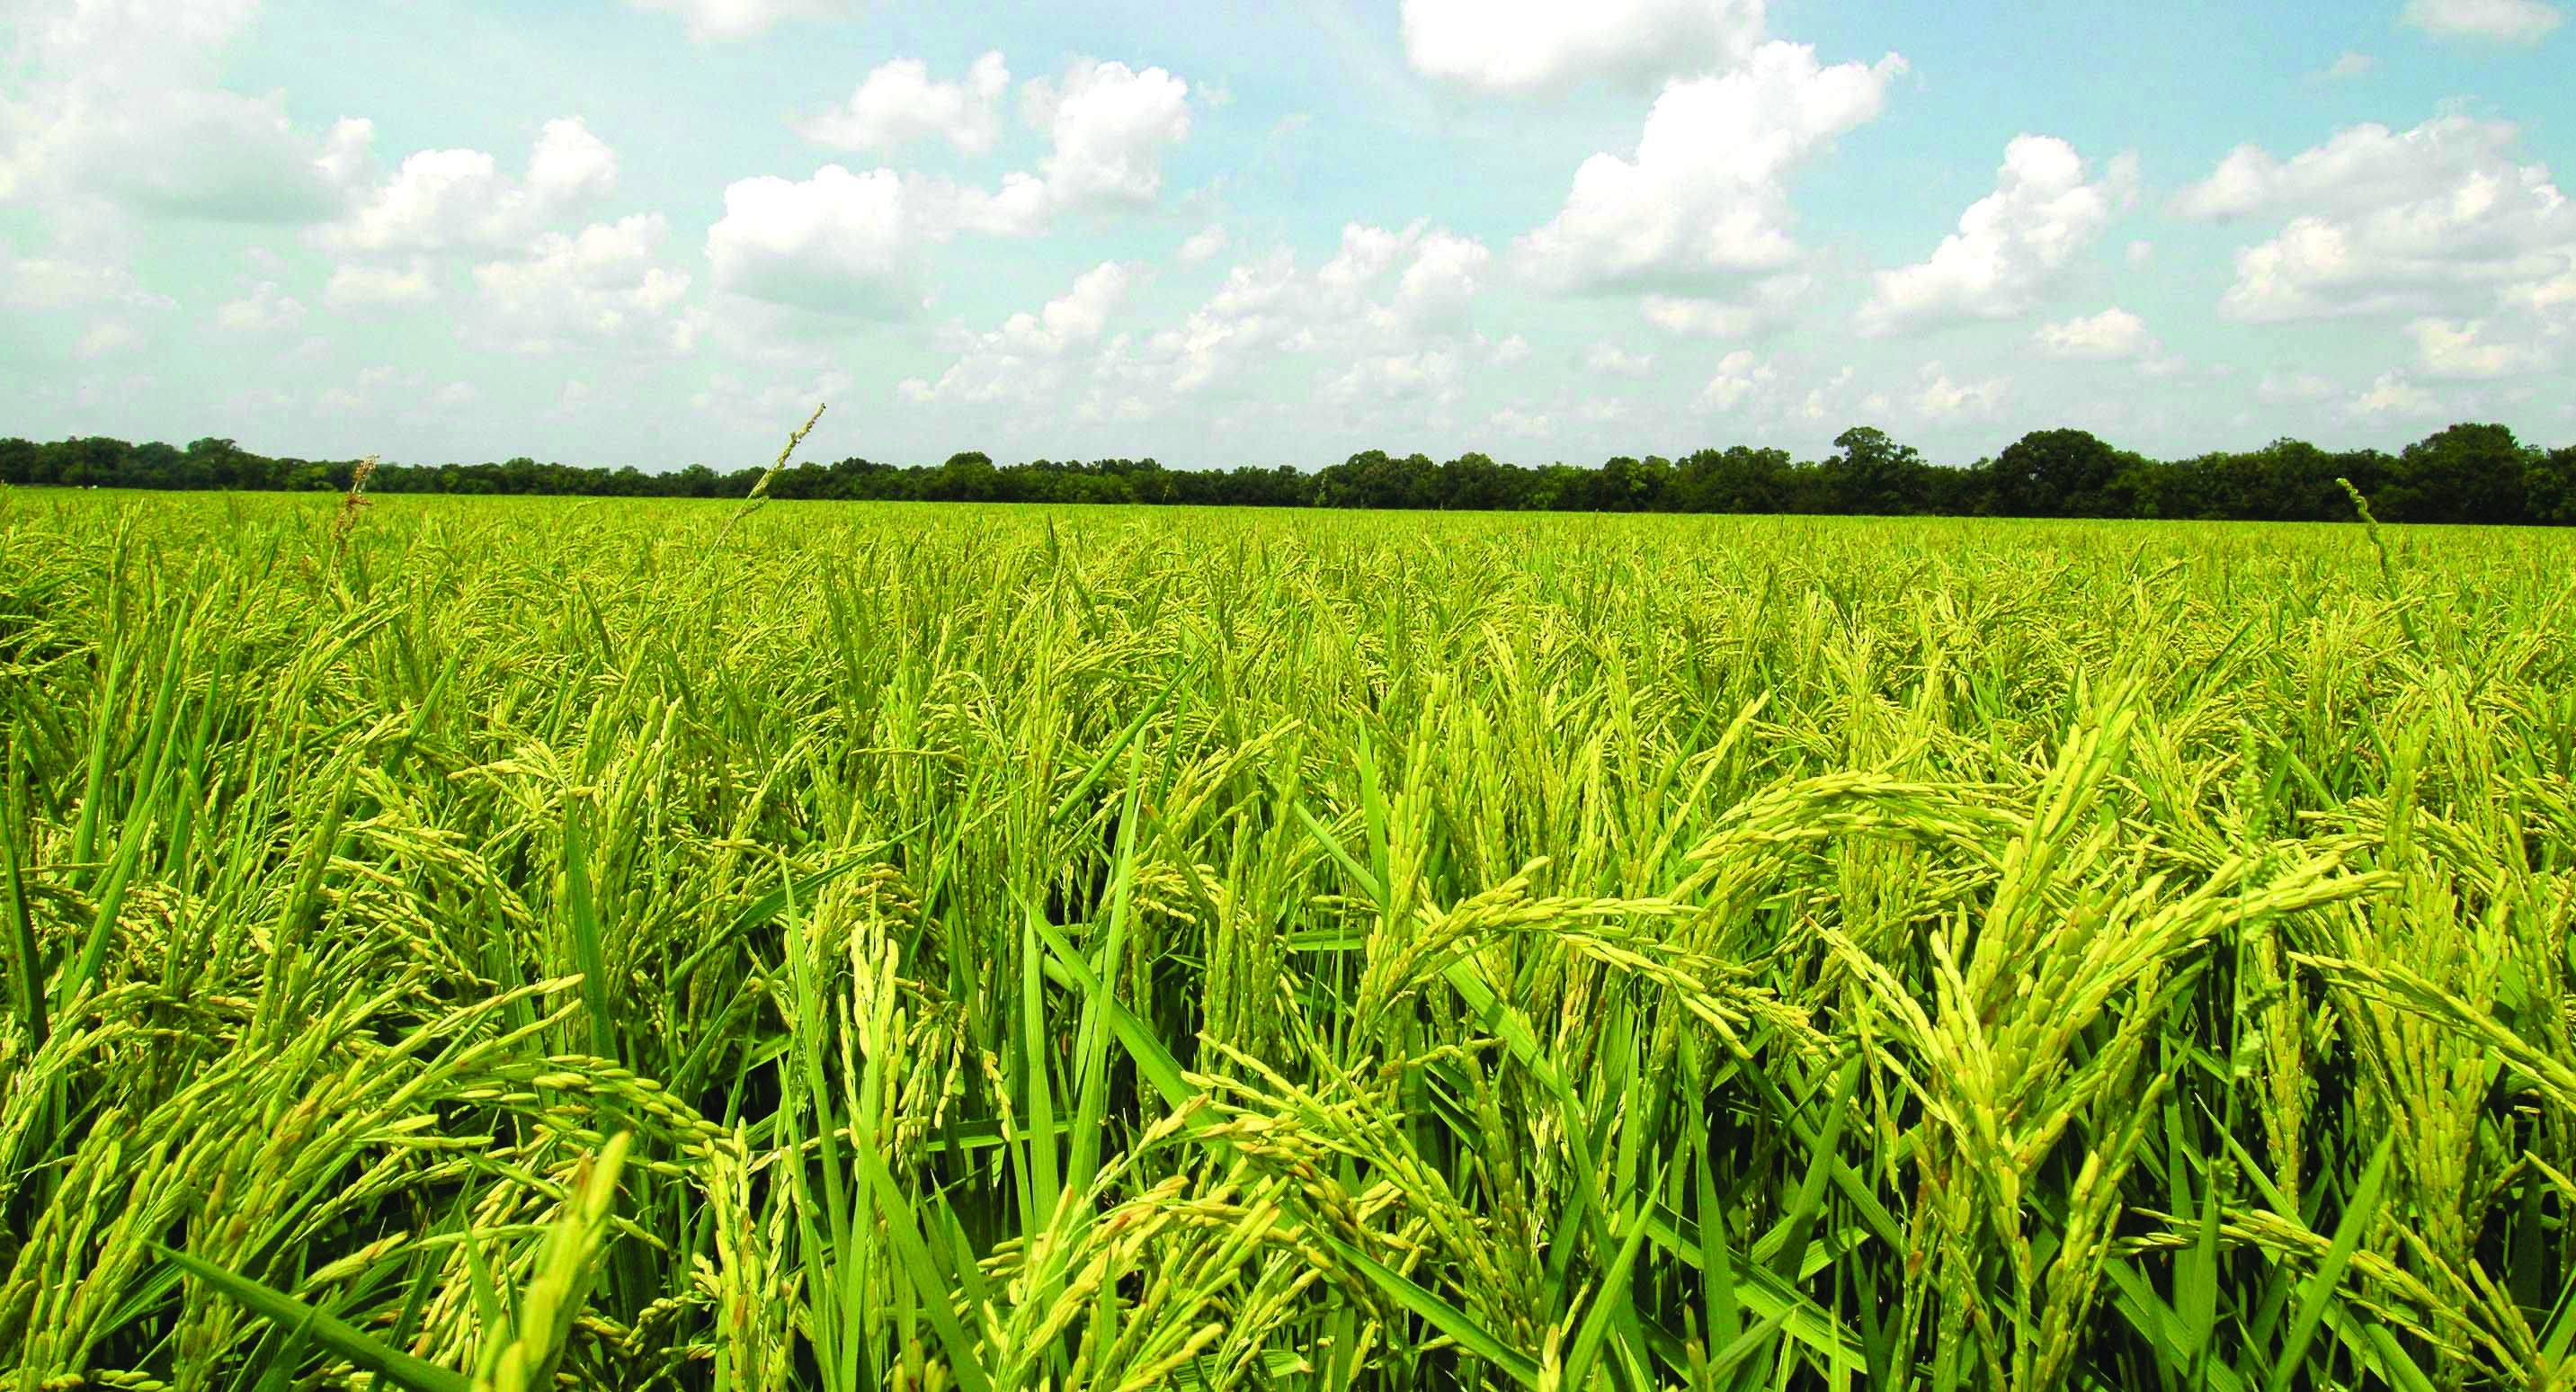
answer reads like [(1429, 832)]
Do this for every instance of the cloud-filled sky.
[(657, 231)]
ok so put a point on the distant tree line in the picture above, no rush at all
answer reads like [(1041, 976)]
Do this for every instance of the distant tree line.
[(2466, 473)]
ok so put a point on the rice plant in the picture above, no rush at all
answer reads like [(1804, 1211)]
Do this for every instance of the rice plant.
[(527, 943)]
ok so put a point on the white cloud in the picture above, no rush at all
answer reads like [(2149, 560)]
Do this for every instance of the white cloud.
[(1203, 244), (2504, 21), (1430, 375), (1025, 358), (840, 242), (1773, 304), (1250, 311), (364, 287), (2011, 245), (2280, 388), (899, 103), (598, 284), (742, 19), (207, 154), (1739, 375), (1536, 45), (773, 403), (257, 403), (1395, 303), (1437, 290), (2435, 219), (115, 105), (1111, 126), (364, 392), (1108, 128), (39, 283), (1514, 349), (106, 337), (2111, 335), (2457, 351), (1366, 253), (1943, 399), (1518, 424), (2393, 395), (2349, 64), (2552, 301), (2141, 252), (263, 310), (1610, 360), (1706, 194), (570, 167), (1819, 401), (1434, 293), (458, 200)]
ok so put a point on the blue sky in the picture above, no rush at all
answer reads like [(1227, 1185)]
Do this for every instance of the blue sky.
[(657, 231)]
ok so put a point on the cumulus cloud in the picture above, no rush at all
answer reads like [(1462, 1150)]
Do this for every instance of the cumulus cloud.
[(1438, 290), (600, 284), (743, 19), (1252, 310), (1515, 423), (1395, 304), (264, 310), (1706, 196), (1739, 375), (899, 103), (1772, 304), (459, 200), (1025, 359), (2393, 395), (2281, 388), (839, 242), (1432, 376), (39, 283), (2012, 244), (1941, 399), (1204, 244), (117, 105), (2109, 336), (2459, 351), (107, 338), (2431, 219), (366, 391), (2349, 63), (1110, 126), (2502, 21), (370, 287), (1610, 360), (1521, 46), (751, 407)]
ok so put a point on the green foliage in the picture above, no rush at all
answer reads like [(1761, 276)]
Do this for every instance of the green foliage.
[(510, 943), (2467, 473)]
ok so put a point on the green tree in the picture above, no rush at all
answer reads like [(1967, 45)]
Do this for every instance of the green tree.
[(1873, 474), (2466, 473), (2549, 487), (2056, 473)]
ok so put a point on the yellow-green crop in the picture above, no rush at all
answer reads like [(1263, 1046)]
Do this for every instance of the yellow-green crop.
[(516, 943)]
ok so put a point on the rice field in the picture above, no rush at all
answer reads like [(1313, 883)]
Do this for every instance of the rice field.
[(525, 943)]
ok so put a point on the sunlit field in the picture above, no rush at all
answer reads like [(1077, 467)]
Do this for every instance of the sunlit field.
[(534, 942)]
